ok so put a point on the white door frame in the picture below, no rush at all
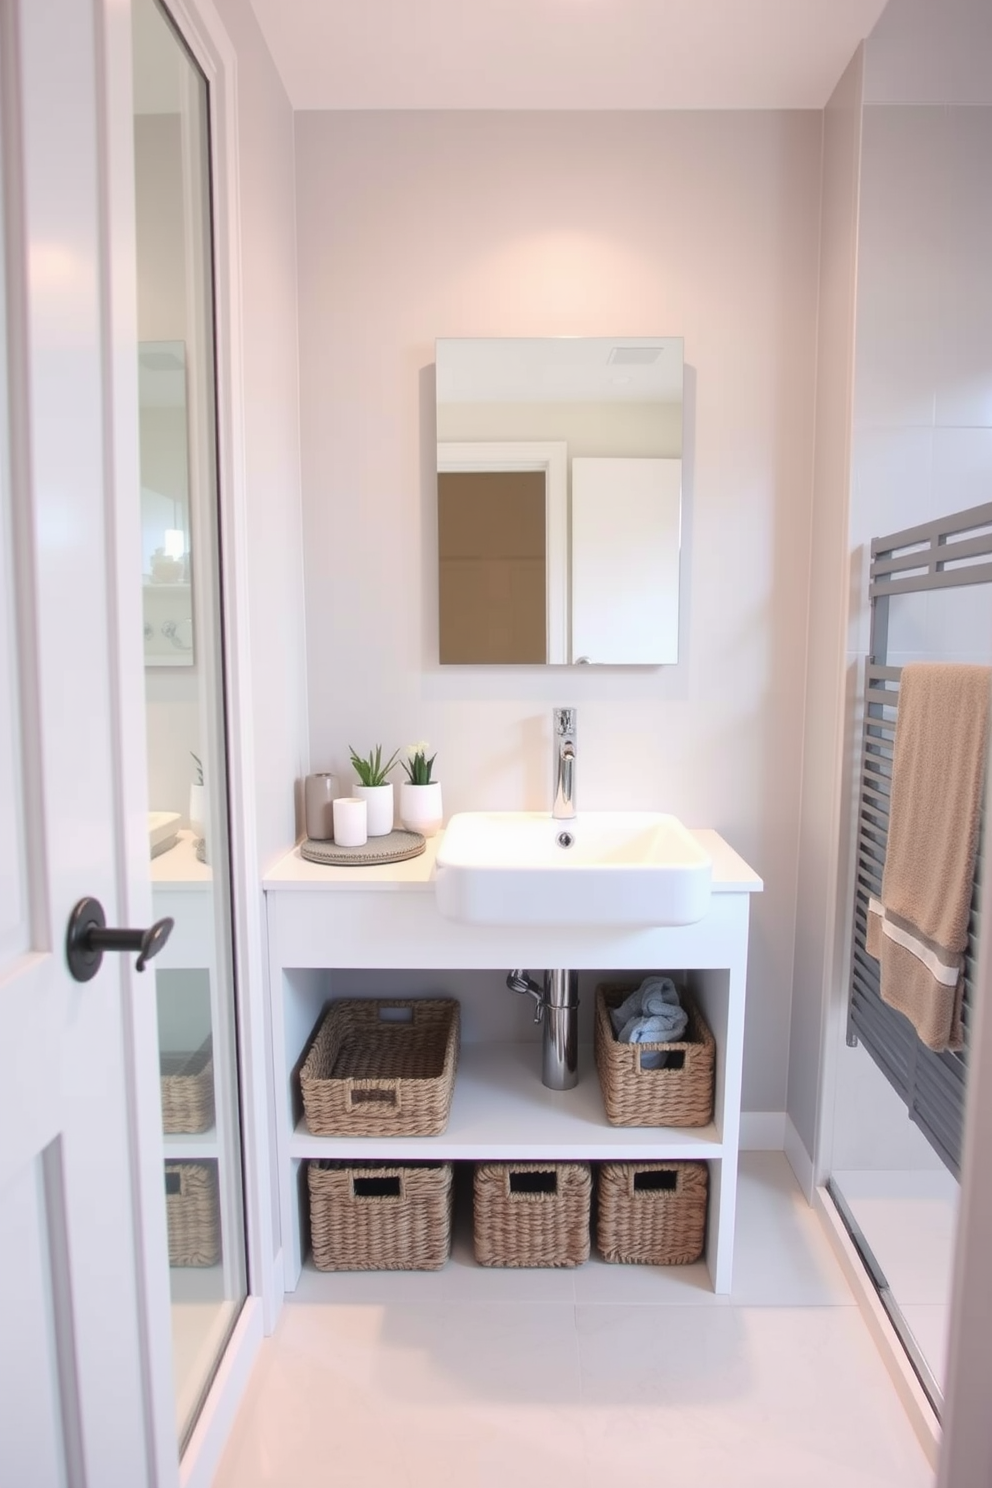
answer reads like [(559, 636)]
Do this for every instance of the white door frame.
[(207, 40)]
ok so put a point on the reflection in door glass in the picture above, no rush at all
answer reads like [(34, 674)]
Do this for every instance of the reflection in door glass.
[(184, 693)]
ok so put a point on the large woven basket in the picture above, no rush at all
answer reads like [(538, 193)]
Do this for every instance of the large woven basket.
[(188, 1090), (382, 1068), (532, 1214), (652, 1212), (192, 1213), (378, 1217), (678, 1094)]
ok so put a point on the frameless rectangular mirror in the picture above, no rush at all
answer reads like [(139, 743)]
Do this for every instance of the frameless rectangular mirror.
[(165, 524), (559, 499)]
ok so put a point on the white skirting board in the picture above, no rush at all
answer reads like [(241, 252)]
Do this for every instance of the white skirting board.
[(799, 1159), (762, 1131)]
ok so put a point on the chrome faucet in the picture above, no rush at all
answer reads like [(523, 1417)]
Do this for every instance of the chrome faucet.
[(564, 781)]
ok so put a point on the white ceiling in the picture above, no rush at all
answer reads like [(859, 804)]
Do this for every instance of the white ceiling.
[(558, 369), (563, 54)]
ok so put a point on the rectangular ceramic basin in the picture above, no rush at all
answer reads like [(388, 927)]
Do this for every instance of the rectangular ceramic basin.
[(600, 868)]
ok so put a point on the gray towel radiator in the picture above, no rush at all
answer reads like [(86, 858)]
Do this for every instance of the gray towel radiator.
[(946, 553)]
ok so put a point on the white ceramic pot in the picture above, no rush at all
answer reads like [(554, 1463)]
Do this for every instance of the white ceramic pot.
[(198, 810), (379, 800), (420, 807)]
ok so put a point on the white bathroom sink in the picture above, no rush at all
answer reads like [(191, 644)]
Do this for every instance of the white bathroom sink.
[(617, 868), (163, 831)]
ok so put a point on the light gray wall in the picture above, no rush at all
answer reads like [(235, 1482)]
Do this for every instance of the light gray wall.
[(931, 51), (921, 445), (413, 226), (816, 905), (272, 452)]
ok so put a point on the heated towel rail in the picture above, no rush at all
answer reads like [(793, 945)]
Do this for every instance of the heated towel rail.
[(946, 553)]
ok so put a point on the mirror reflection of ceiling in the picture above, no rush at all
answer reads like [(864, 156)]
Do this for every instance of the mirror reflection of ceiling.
[(158, 61), (162, 374), (562, 369)]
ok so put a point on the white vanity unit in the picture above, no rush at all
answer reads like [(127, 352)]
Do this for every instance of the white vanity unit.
[(378, 932)]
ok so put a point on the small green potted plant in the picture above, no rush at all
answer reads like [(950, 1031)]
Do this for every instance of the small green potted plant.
[(420, 795), (374, 789), (197, 799)]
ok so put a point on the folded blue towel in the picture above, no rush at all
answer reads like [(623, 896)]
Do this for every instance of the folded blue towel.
[(651, 1015)]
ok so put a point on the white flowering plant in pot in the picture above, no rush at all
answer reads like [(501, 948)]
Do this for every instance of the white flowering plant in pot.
[(420, 794)]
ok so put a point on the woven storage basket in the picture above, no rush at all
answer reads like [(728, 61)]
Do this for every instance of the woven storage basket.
[(379, 1217), (193, 1214), (652, 1212), (532, 1214), (678, 1094), (188, 1090), (367, 1075)]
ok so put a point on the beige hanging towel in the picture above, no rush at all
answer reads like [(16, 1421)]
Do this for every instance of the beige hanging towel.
[(919, 930)]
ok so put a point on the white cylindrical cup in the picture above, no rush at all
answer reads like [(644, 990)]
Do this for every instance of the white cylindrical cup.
[(350, 822)]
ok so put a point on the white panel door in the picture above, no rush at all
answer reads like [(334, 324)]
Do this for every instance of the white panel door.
[(73, 1407), (626, 524)]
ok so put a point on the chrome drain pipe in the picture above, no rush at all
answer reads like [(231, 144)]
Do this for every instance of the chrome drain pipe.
[(558, 1010)]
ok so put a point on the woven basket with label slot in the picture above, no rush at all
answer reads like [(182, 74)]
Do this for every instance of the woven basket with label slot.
[(678, 1094), (380, 1217), (192, 1213), (652, 1212), (187, 1090), (532, 1214), (382, 1068)]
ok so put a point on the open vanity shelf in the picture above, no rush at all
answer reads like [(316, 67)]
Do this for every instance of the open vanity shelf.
[(377, 933), (502, 1112), (193, 1002), (192, 1145)]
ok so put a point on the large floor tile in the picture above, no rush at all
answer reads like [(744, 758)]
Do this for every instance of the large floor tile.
[(471, 1378), (782, 1257), (458, 1394), (910, 1222), (742, 1398), (645, 1286)]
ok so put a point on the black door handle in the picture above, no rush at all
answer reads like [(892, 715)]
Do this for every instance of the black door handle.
[(88, 937)]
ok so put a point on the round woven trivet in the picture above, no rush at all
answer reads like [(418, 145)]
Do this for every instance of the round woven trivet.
[(395, 847)]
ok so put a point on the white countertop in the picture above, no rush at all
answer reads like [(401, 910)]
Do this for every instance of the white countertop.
[(179, 868), (731, 875)]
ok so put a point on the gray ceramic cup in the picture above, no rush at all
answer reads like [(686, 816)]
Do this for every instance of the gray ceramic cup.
[(318, 796)]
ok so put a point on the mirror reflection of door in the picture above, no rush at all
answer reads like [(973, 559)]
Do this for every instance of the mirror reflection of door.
[(184, 700), (492, 553)]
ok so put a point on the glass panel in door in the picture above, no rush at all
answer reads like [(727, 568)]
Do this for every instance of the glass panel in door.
[(184, 693)]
